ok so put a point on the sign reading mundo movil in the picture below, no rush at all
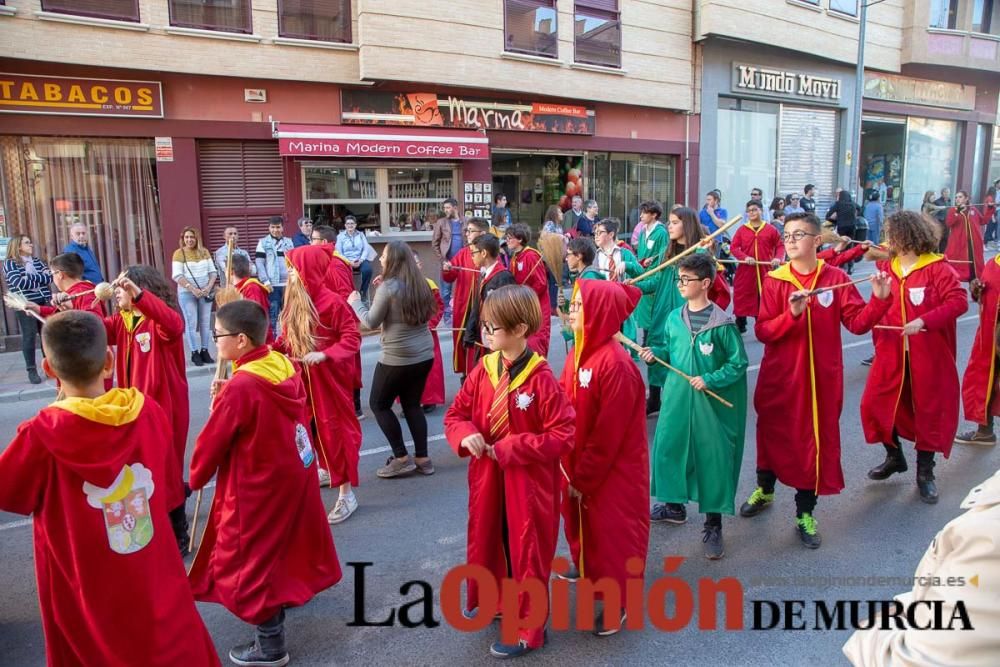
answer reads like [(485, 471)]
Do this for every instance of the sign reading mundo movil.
[(77, 96), (774, 82), (377, 107)]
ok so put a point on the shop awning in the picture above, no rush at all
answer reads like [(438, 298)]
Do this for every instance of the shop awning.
[(381, 142)]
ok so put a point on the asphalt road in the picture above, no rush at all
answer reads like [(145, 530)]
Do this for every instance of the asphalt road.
[(414, 529)]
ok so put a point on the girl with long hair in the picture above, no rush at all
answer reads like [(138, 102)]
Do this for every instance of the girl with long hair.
[(402, 307), (195, 273), (29, 277)]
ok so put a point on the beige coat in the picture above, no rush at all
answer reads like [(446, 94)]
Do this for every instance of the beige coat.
[(969, 547)]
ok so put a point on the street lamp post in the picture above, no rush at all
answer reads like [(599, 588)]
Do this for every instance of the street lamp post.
[(859, 86)]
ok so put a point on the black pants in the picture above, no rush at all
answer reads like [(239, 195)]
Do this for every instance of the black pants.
[(30, 330), (805, 499), (407, 384)]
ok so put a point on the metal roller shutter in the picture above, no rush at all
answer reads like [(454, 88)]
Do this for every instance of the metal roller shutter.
[(241, 186), (807, 152)]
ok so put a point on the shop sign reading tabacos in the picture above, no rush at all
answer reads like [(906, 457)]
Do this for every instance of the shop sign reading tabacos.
[(75, 96), (376, 107), (773, 82)]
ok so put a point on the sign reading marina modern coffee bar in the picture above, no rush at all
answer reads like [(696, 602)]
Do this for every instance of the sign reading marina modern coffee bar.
[(773, 82)]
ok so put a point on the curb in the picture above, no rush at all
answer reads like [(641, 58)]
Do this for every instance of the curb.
[(50, 392)]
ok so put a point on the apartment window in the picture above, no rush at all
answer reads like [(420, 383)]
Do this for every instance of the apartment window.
[(944, 14), (849, 7), (121, 10), (221, 15), (530, 27), (597, 31), (983, 19), (322, 20)]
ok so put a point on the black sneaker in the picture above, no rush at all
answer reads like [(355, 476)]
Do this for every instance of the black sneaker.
[(652, 407), (33, 377), (674, 513), (808, 531), (976, 437), (599, 629), (196, 359), (573, 574), (206, 357), (251, 655), (714, 547), (504, 651), (359, 413), (428, 408), (756, 503), (869, 361)]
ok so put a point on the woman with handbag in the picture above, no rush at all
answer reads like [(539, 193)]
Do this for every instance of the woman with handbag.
[(30, 277), (195, 275)]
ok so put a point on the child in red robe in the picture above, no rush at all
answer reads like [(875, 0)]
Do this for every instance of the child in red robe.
[(148, 334), (965, 238), (250, 288), (492, 276), (94, 469), (979, 384), (606, 497), (67, 275), (757, 242), (513, 418), (463, 272), (913, 391), (529, 268), (433, 395), (265, 546), (320, 331), (800, 388)]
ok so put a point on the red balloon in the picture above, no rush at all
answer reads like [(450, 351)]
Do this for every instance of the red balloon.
[(565, 203), (572, 188), (573, 177)]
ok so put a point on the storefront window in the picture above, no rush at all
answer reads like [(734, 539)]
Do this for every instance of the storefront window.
[(931, 158), (978, 162), (620, 182), (383, 199), (995, 156), (943, 14), (747, 150), (107, 184)]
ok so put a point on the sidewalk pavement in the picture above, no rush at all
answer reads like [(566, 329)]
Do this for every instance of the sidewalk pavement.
[(14, 385)]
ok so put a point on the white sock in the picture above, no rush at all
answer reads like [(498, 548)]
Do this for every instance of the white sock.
[(349, 495)]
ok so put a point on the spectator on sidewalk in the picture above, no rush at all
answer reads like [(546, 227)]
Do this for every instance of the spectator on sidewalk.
[(500, 207), (794, 204), (446, 240), (271, 269), (808, 202), (222, 254), (305, 232), (195, 274), (354, 245), (79, 244), (28, 276), (757, 195), (874, 214), (990, 215), (585, 223), (573, 214), (712, 215)]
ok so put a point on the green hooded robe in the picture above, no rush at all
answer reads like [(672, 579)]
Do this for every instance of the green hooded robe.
[(651, 245)]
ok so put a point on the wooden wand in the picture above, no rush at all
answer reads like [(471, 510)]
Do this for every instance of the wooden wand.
[(820, 290), (703, 243), (638, 348), (221, 371)]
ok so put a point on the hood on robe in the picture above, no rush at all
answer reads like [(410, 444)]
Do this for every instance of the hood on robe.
[(285, 391), (106, 440), (311, 263), (606, 306)]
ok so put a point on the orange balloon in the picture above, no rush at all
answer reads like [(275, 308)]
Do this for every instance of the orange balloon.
[(572, 188)]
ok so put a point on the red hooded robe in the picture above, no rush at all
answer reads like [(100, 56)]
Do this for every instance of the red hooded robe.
[(150, 357), (330, 384), (434, 387), (267, 544), (979, 394), (528, 268), (913, 383), (965, 242), (252, 289), (89, 302), (800, 388), (762, 245), (609, 463), (466, 286), (523, 485), (111, 584), (340, 280)]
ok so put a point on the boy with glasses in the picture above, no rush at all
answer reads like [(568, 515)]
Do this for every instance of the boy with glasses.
[(485, 251), (800, 388), (759, 245), (461, 274)]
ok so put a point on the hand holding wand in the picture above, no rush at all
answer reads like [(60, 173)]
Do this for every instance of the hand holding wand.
[(820, 290), (638, 348)]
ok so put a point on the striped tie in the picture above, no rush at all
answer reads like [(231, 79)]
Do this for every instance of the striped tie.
[(611, 265), (499, 414)]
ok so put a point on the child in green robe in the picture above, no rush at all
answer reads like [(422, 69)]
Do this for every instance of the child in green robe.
[(698, 446), (580, 255)]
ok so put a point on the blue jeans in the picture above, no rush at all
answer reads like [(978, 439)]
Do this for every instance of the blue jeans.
[(197, 320), (275, 300), (446, 288), (366, 277)]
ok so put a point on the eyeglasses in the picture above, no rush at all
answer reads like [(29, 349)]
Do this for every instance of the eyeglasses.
[(684, 280), (601, 231), (216, 336), (796, 236), (471, 230), (756, 194), (475, 252), (491, 328)]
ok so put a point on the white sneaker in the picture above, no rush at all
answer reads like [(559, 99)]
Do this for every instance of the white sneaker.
[(343, 509), (324, 477)]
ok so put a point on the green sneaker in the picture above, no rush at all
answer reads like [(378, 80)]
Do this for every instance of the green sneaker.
[(756, 503), (808, 531)]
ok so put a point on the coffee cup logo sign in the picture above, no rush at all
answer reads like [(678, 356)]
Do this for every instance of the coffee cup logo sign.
[(785, 83)]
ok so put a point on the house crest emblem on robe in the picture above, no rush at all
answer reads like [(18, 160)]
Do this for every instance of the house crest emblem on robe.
[(825, 299), (706, 348), (917, 295), (585, 375), (523, 400), (125, 507)]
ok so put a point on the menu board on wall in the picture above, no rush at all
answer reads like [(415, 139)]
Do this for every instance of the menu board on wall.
[(478, 199)]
